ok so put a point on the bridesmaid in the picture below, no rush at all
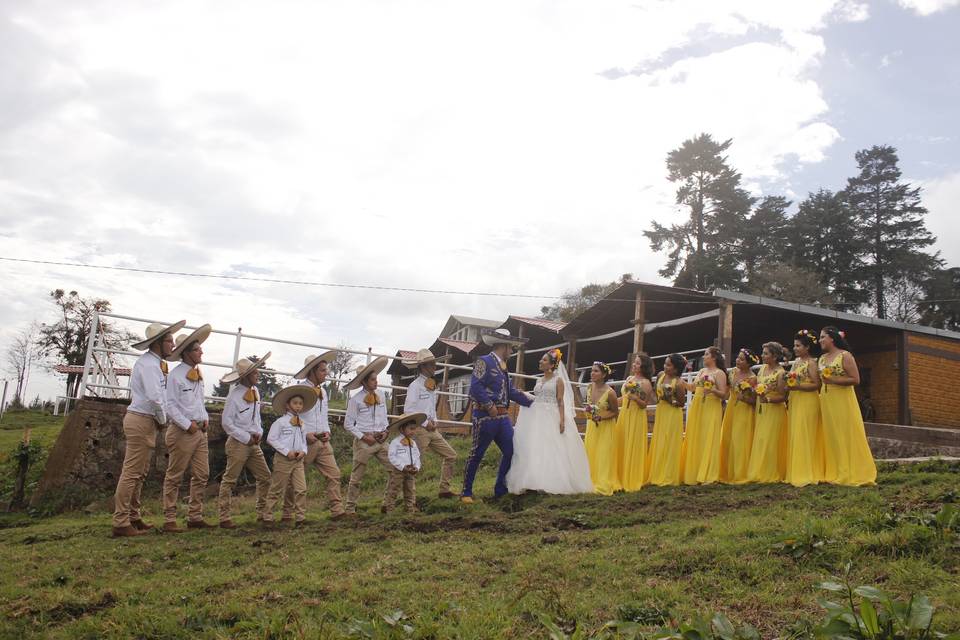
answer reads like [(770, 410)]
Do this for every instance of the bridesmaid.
[(636, 394), (738, 420), (667, 443), (847, 455), (805, 442), (768, 452), (700, 457), (601, 437)]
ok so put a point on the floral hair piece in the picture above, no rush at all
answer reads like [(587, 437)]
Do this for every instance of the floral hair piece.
[(557, 355), (809, 334), (751, 357), (843, 334), (604, 367)]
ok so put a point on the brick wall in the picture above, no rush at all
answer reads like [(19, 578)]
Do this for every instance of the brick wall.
[(934, 390), (884, 388)]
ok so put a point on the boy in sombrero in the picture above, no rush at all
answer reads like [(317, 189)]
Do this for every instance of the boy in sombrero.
[(366, 420), (422, 397), (288, 440), (186, 435), (146, 415), (405, 457)]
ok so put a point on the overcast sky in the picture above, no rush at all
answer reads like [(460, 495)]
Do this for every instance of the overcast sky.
[(492, 146)]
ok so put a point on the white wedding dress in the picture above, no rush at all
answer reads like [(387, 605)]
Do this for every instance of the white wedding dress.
[(543, 458)]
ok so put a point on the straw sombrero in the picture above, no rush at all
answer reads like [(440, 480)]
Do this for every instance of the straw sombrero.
[(501, 336), (200, 334), (243, 367), (418, 418), (312, 361), (155, 332), (424, 356), (376, 366), (280, 398)]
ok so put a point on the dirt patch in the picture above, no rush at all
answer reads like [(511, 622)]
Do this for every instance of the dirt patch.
[(454, 523), (66, 611)]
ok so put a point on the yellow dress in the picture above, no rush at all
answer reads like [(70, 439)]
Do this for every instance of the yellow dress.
[(805, 443), (700, 455), (667, 442), (601, 444), (737, 438), (632, 427), (768, 454), (847, 456)]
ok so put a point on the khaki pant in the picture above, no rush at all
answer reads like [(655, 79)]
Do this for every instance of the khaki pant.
[(241, 455), (435, 442), (141, 435), (320, 455), (287, 473), (409, 484), (362, 452), (185, 450)]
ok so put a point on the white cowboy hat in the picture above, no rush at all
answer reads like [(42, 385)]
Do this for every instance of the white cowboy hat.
[(418, 418), (243, 367), (312, 361), (424, 356), (280, 398), (501, 336), (376, 367), (200, 334), (155, 332)]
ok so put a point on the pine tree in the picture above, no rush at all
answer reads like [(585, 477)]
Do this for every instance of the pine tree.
[(941, 304), (889, 221), (703, 251), (765, 238)]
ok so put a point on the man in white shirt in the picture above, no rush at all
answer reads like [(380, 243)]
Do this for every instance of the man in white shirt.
[(241, 423), (186, 433), (405, 458), (316, 426), (422, 398), (366, 420), (145, 416)]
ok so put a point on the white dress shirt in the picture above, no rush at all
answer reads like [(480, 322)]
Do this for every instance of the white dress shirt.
[(185, 398), (402, 454), (148, 388), (363, 418), (316, 420), (240, 418), (284, 437), (420, 399)]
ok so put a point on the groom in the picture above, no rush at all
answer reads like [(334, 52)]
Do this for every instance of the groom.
[(491, 392)]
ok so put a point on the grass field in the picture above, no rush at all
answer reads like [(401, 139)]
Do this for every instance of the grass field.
[(494, 570)]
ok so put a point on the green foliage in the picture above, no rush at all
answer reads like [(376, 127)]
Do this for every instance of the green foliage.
[(809, 545)]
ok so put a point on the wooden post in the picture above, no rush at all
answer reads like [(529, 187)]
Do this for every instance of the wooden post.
[(446, 370), (903, 393), (394, 397), (639, 322), (725, 331), (520, 383)]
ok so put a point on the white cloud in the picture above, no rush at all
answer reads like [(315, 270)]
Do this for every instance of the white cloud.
[(941, 197), (928, 7)]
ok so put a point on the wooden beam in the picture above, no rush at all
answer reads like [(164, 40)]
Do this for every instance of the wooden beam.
[(639, 321), (903, 392), (725, 330), (520, 383), (446, 370), (572, 358)]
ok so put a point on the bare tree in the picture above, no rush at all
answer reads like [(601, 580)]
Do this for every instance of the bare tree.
[(19, 358), (341, 366), (902, 299)]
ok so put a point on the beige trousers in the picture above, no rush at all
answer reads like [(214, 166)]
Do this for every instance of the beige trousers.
[(320, 455), (362, 452), (241, 455), (185, 450), (435, 442), (287, 473), (141, 436), (409, 484)]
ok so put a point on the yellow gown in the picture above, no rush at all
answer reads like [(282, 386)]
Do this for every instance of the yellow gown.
[(667, 442), (632, 427), (601, 444), (805, 453), (847, 456), (768, 454), (700, 454), (737, 438)]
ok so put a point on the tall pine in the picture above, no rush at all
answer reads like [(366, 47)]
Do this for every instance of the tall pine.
[(888, 221), (765, 239)]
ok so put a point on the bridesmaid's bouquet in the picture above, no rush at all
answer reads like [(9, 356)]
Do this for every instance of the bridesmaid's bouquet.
[(793, 379), (707, 383), (593, 411), (746, 389), (761, 391), (828, 372), (633, 388)]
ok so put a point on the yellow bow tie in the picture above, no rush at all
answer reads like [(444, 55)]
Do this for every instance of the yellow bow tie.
[(295, 421), (163, 367), (251, 395), (503, 365), (406, 441), (371, 399), (194, 375), (430, 384), (318, 391)]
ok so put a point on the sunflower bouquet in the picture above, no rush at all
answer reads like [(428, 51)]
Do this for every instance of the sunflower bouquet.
[(761, 390), (830, 371), (593, 411), (633, 389), (793, 379), (746, 389)]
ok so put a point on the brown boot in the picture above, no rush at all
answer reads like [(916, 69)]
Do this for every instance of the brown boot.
[(126, 532), (140, 525), (227, 524), (200, 524), (171, 527)]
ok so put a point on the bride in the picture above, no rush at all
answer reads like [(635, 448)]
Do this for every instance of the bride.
[(548, 454)]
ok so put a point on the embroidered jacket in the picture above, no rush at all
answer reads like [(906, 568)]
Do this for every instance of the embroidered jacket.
[(490, 383)]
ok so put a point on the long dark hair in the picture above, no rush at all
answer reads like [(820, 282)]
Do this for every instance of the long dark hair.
[(718, 357), (839, 337), (751, 357), (678, 361), (647, 368)]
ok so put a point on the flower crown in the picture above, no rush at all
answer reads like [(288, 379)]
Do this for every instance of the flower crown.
[(809, 334), (750, 356), (557, 355), (604, 367)]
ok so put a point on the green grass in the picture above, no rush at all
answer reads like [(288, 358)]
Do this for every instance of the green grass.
[(754, 553)]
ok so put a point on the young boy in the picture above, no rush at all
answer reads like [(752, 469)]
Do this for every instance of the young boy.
[(288, 440), (405, 458)]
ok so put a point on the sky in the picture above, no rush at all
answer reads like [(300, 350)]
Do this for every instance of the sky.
[(504, 146)]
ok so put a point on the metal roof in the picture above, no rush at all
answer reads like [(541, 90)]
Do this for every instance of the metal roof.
[(549, 325), (462, 345)]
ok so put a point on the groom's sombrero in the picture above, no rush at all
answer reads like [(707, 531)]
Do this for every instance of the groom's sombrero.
[(200, 334), (155, 332), (424, 356), (374, 367), (501, 336)]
